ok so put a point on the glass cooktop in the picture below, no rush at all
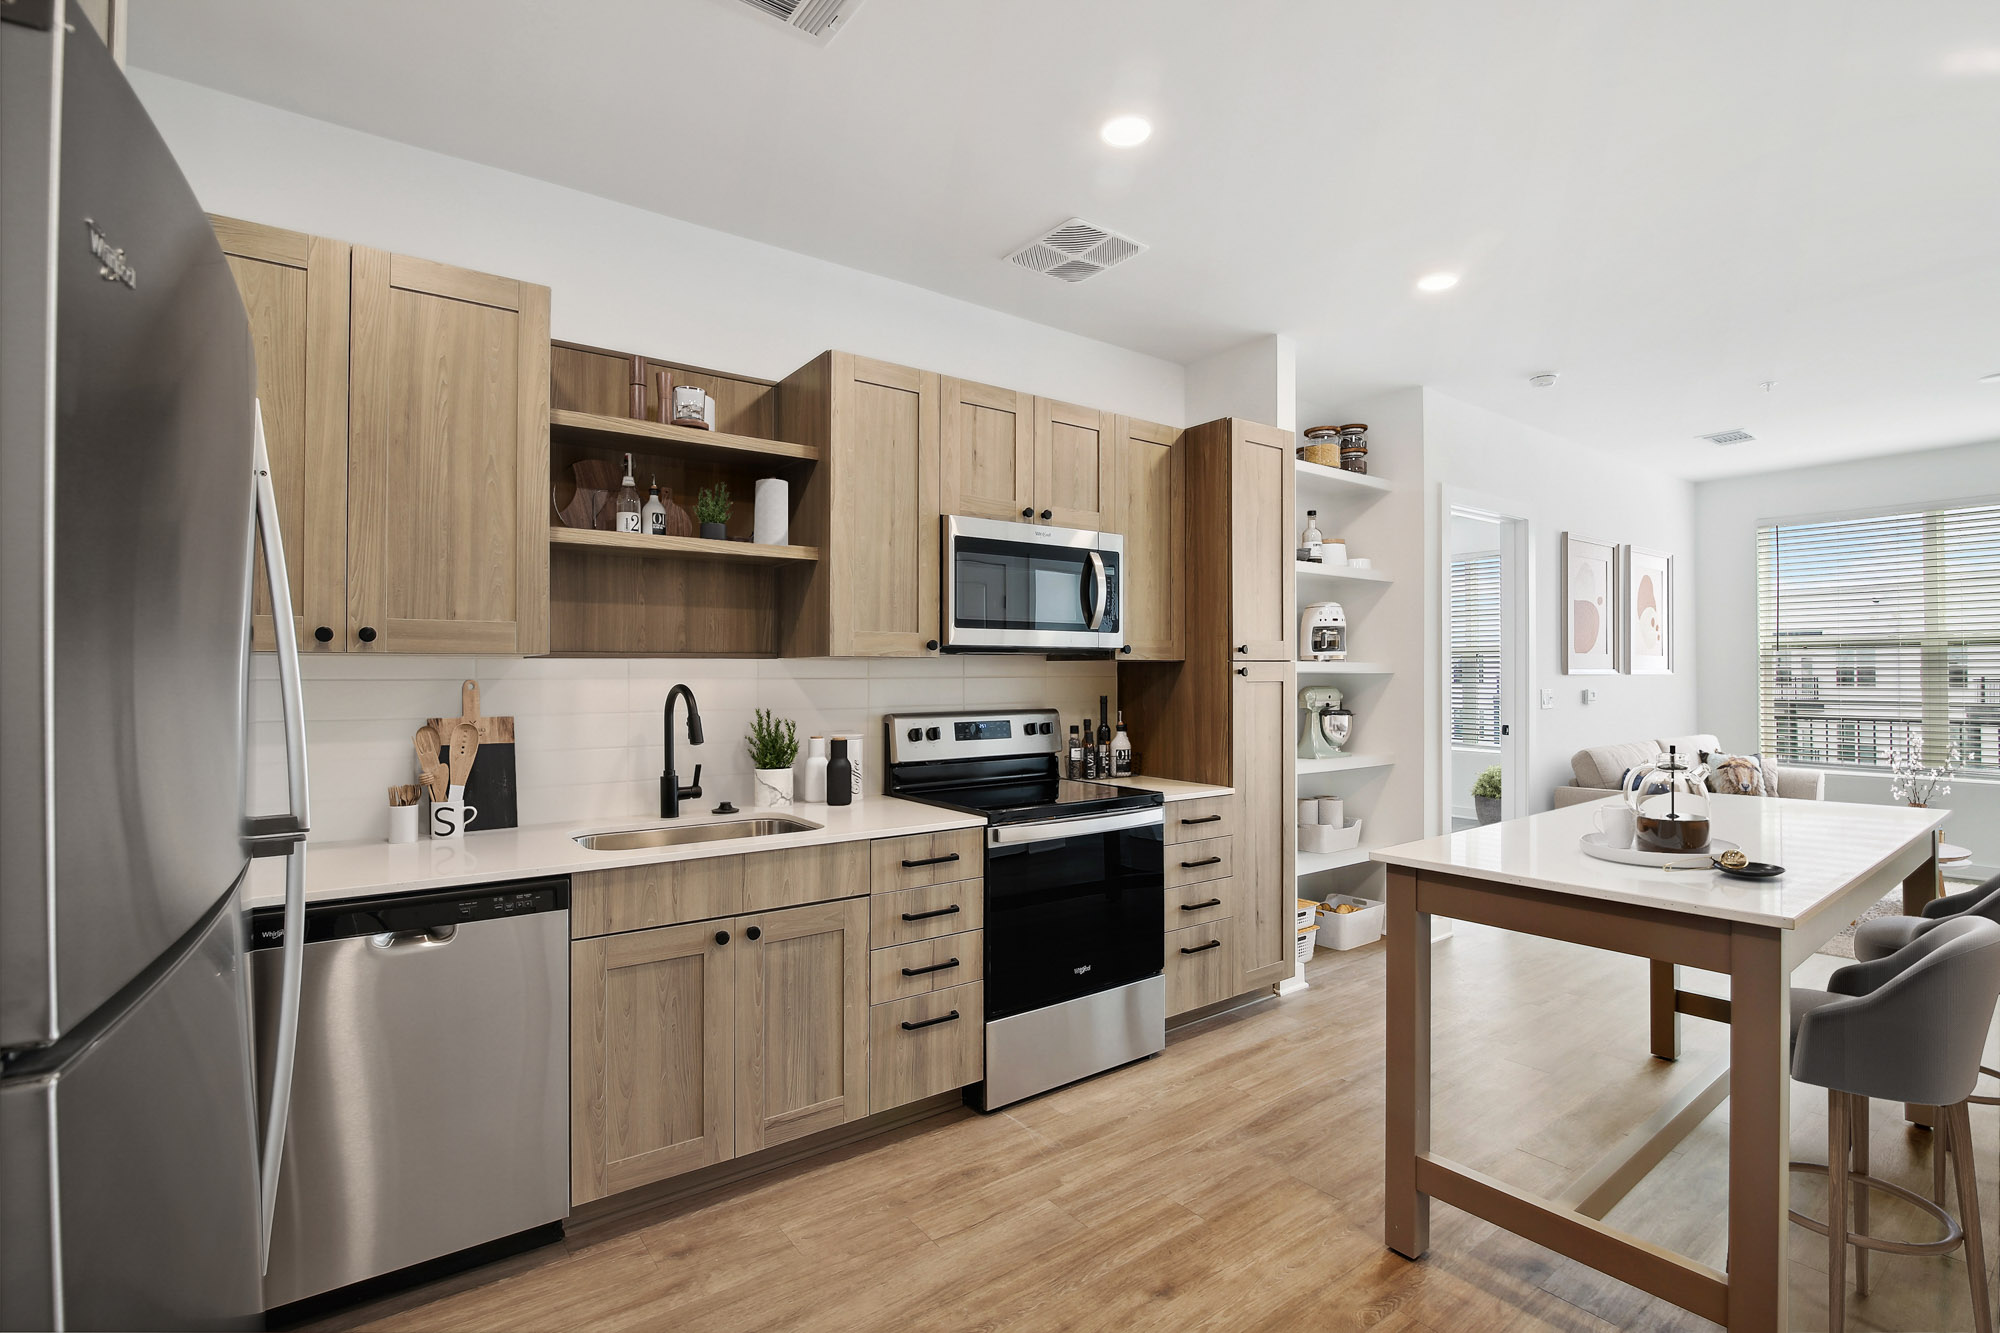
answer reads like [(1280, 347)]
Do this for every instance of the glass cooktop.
[(1026, 800)]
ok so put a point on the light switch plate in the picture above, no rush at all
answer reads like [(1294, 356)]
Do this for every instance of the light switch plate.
[(1590, 696), (1548, 698)]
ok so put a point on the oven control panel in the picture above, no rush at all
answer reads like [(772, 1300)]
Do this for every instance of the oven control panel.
[(917, 737)]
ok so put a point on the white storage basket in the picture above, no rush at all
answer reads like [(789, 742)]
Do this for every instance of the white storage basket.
[(1351, 930)]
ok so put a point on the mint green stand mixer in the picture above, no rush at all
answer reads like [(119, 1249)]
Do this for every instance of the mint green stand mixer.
[(1324, 726)]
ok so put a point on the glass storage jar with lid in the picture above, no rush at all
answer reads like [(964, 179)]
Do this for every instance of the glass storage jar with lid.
[(1670, 804)]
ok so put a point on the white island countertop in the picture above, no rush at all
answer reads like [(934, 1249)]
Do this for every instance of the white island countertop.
[(375, 869), (1824, 846)]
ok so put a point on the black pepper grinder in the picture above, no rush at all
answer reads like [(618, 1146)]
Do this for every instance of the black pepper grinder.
[(839, 775)]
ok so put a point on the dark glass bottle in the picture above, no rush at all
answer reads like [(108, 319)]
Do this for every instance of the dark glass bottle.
[(839, 774)]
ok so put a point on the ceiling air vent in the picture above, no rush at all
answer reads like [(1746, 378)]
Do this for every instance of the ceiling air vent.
[(1075, 250), (1728, 437), (821, 20)]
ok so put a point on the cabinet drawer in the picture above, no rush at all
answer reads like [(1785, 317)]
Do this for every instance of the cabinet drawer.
[(604, 902), (926, 913), (1201, 965), (916, 1048), (796, 876), (928, 858), (927, 965), (1198, 862), (1209, 817), (1199, 904)]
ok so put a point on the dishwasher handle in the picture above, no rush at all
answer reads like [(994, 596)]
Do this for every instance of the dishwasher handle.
[(435, 937)]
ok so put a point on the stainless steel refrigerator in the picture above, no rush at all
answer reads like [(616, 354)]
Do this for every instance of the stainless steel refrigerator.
[(133, 1138)]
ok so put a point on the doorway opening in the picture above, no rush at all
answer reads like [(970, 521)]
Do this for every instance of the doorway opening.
[(1487, 642)]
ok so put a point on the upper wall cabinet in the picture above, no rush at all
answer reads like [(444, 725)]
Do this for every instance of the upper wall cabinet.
[(1076, 466), (1154, 475), (1008, 455), (1260, 558), (295, 292), (406, 415), (447, 516)]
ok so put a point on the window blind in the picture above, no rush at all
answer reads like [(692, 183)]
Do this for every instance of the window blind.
[(1475, 650), (1881, 636)]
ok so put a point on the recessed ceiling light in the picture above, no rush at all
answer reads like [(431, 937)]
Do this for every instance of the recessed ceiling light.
[(1126, 131), (1994, 378), (1545, 380), (1437, 282)]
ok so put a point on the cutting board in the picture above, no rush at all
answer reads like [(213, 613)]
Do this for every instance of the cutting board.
[(491, 788)]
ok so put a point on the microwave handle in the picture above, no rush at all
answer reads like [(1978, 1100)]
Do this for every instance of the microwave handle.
[(1103, 591)]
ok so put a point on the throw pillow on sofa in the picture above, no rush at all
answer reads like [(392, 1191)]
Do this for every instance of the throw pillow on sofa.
[(1740, 774)]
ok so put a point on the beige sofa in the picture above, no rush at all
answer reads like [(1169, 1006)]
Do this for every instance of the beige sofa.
[(1597, 770)]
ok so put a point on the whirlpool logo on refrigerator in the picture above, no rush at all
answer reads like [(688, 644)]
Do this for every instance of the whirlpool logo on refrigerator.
[(112, 266)]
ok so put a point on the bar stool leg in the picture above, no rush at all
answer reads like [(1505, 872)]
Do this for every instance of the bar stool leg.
[(1838, 1141), (1859, 1126), (1958, 1121), (1940, 1150)]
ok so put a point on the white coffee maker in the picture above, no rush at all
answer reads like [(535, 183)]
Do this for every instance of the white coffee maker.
[(1322, 632)]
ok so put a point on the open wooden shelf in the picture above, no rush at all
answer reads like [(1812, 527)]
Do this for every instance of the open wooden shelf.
[(661, 440), (691, 548), (1346, 667), (1308, 570), (1311, 863), (1317, 478)]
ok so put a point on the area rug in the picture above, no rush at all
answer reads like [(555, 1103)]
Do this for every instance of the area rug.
[(1842, 945)]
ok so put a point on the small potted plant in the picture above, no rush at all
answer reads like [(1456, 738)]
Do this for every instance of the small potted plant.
[(1486, 795), (1915, 784), (712, 508), (773, 743)]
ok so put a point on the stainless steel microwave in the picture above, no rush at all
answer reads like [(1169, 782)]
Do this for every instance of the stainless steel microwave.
[(1030, 588)]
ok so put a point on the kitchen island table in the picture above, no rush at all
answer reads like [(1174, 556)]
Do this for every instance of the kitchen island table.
[(1530, 875)]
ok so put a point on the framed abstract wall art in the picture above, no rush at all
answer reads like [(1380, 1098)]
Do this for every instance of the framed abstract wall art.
[(1590, 606), (1648, 629)]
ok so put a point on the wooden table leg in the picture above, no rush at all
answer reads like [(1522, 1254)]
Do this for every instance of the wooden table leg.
[(1924, 884), (1406, 1211), (1666, 1016), (1759, 1130)]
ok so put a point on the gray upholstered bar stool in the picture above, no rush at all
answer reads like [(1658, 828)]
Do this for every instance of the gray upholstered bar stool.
[(1906, 1028)]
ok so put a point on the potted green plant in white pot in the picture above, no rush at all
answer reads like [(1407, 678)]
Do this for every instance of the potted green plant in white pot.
[(711, 509), (1486, 795), (773, 743)]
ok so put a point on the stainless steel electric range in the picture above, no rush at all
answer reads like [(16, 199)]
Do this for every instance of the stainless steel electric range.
[(1075, 895)]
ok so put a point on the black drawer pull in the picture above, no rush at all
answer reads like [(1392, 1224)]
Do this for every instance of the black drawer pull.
[(1202, 819), (1196, 907), (930, 1022), (934, 967), (1196, 865), (925, 916), (1204, 948), (931, 861)]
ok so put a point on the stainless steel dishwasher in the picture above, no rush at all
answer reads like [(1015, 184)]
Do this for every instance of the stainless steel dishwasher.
[(430, 1102)]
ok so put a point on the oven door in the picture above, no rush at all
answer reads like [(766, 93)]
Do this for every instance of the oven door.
[(1072, 907), (1027, 588)]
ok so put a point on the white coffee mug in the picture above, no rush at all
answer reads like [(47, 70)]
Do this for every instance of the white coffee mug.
[(449, 818), (402, 823), (1617, 823)]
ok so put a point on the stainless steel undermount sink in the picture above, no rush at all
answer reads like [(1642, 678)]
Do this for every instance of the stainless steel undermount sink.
[(677, 835)]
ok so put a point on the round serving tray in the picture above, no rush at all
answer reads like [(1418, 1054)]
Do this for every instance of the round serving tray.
[(1592, 844)]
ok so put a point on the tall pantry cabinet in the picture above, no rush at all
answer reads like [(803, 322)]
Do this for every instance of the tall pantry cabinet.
[(406, 417)]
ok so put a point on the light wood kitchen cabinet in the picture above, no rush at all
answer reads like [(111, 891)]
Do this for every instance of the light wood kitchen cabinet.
[(1199, 862), (918, 969), (294, 290), (871, 507), (925, 1045), (1076, 466), (987, 451), (1265, 710), (1200, 967), (652, 1056), (447, 509), (926, 858), (1261, 568), (406, 415), (801, 1022), (1154, 473)]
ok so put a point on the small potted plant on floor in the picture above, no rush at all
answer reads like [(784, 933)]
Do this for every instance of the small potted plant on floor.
[(712, 508), (773, 743), (1486, 795)]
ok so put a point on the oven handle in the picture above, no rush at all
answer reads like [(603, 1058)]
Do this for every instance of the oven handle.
[(1103, 591), (1052, 829)]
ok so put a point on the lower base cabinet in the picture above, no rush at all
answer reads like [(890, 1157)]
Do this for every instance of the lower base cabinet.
[(927, 1044), (1201, 965)]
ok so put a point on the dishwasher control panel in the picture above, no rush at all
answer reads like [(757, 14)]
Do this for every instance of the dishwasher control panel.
[(346, 918)]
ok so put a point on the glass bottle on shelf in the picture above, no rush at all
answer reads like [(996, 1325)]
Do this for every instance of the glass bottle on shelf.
[(1312, 541), (629, 519), (654, 514)]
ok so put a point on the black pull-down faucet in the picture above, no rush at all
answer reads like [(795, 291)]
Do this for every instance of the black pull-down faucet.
[(671, 791)]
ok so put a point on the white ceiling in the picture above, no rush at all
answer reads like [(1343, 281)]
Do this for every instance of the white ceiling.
[(1667, 203)]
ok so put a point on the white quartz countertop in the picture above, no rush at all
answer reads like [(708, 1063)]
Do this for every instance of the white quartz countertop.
[(376, 869), (1173, 788), (1825, 847)]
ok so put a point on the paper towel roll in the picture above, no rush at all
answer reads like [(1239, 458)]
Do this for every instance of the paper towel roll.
[(772, 526)]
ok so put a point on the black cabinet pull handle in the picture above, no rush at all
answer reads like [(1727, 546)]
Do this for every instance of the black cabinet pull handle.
[(1204, 948), (1126, 649), (1242, 671), (1195, 865), (931, 861), (366, 634), (930, 1022), (1242, 647), (925, 916), (722, 937), (1196, 907), (1048, 514), (754, 933), (324, 634), (1028, 512), (934, 967), (930, 645), (1202, 819)]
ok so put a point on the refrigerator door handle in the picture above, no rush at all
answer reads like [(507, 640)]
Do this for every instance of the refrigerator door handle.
[(291, 981), (297, 818)]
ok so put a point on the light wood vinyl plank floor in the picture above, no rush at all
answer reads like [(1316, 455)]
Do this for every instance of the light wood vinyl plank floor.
[(1234, 1182)]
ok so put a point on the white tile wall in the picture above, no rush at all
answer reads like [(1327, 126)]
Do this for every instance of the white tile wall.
[(588, 731)]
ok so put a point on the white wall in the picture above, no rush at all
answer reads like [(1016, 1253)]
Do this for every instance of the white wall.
[(1255, 380), (1559, 485), (1728, 514), (619, 276)]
